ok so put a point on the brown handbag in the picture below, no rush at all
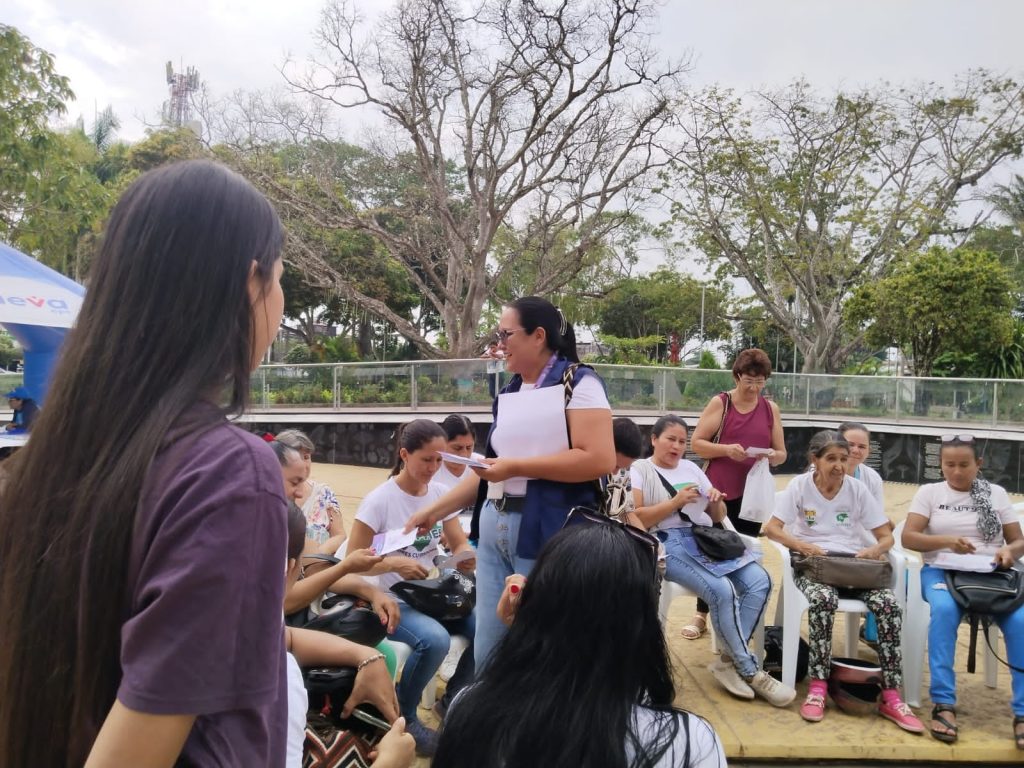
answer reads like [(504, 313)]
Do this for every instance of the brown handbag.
[(843, 570)]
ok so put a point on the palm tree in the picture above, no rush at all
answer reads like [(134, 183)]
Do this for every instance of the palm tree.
[(1008, 200)]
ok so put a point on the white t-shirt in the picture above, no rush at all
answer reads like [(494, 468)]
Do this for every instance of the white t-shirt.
[(954, 513), (445, 477), (298, 704), (388, 507), (642, 476), (873, 481), (705, 747), (837, 524), (588, 393)]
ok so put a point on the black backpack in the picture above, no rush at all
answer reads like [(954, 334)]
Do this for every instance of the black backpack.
[(773, 654), (982, 596)]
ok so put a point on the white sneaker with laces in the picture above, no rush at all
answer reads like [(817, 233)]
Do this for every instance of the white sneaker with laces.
[(725, 673), (771, 690)]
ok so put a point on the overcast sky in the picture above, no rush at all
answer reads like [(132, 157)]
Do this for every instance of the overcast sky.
[(114, 50)]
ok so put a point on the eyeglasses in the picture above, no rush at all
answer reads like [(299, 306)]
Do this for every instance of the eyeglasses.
[(957, 438), (503, 335), (584, 516), (749, 382)]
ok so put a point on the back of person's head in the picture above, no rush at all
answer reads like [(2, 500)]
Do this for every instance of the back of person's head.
[(167, 321), (457, 425), (296, 531), (413, 436), (629, 441), (535, 312), (586, 646)]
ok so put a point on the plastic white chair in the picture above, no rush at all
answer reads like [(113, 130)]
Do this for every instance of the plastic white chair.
[(402, 652), (670, 590), (792, 605), (916, 617)]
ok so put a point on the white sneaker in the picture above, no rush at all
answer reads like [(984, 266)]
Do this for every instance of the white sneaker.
[(771, 690), (725, 673)]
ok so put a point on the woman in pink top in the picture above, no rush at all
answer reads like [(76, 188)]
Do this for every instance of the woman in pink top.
[(741, 418)]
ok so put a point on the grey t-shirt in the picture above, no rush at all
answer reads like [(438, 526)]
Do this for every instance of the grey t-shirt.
[(204, 633)]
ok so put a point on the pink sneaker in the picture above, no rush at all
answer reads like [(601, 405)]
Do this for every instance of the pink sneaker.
[(902, 715), (813, 708)]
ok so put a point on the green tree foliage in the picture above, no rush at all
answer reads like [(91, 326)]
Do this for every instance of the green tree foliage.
[(641, 350), (662, 303), (938, 301), (809, 197), (9, 351)]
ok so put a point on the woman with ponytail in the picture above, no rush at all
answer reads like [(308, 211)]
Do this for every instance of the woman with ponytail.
[(544, 455)]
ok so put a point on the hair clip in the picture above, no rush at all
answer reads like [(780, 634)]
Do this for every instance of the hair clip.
[(563, 326)]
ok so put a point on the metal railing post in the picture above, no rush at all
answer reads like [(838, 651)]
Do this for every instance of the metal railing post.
[(263, 388), (663, 397), (807, 396), (995, 403), (334, 387), (896, 405), (414, 400)]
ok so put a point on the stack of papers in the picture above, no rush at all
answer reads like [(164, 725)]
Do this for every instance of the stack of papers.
[(975, 563)]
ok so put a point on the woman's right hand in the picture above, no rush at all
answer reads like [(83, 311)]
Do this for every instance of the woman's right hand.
[(361, 560), (508, 603), (811, 550), (960, 545), (408, 569), (736, 452), (396, 750), (685, 496), (373, 685), (421, 521)]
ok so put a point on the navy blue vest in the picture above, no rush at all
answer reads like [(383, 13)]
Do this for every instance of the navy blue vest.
[(547, 501)]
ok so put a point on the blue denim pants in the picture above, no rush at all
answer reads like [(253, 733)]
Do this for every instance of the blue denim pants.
[(496, 559), (736, 601), (429, 640), (942, 631)]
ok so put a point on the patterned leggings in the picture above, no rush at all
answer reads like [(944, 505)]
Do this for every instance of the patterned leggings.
[(824, 600)]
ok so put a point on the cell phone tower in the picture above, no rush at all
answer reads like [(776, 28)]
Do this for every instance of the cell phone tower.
[(177, 111)]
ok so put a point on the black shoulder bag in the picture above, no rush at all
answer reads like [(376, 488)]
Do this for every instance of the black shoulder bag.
[(982, 596), (716, 543)]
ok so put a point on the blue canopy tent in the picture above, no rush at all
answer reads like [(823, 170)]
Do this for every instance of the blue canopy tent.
[(37, 306)]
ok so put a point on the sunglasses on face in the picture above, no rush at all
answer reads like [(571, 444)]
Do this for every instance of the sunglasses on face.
[(503, 334), (584, 516), (957, 438)]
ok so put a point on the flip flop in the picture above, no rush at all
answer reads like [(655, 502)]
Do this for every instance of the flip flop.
[(1018, 736), (696, 628), (947, 738)]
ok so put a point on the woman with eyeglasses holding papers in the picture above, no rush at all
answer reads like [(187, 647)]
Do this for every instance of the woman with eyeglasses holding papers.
[(583, 676), (731, 423), (963, 515), (544, 455)]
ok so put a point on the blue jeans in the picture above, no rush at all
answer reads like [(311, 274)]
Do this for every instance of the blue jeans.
[(429, 640), (736, 601), (942, 631), (495, 560)]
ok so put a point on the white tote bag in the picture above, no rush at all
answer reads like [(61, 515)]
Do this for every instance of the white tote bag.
[(758, 493)]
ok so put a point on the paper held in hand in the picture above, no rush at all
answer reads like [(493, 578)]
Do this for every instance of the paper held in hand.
[(454, 560), (391, 541), (757, 452), (454, 458), (974, 563)]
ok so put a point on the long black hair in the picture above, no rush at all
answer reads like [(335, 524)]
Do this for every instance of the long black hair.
[(412, 437), (586, 647), (167, 322), (535, 312), (457, 425)]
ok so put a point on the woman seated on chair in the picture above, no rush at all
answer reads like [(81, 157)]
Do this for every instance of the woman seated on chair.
[(583, 675), (737, 599), (827, 511), (964, 514)]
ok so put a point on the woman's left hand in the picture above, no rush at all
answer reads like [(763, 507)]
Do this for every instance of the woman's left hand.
[(386, 608), (508, 603), (715, 495), (373, 685), (467, 566), (871, 553), (1004, 558)]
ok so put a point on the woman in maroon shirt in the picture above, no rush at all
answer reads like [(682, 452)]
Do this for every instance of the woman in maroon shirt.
[(742, 418)]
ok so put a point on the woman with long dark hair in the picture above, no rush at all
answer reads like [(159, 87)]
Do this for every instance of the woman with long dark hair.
[(546, 449), (583, 675), (387, 508), (141, 570)]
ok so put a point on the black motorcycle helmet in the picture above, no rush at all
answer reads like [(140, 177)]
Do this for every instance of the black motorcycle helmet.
[(348, 617), (450, 596), (855, 685)]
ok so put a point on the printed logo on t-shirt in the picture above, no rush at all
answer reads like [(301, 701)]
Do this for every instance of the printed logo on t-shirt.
[(423, 541), (958, 507), (810, 516), (843, 519)]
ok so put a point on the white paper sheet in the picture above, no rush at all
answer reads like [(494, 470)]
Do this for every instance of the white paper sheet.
[(755, 452), (454, 458), (391, 541), (531, 423), (954, 562), (454, 560)]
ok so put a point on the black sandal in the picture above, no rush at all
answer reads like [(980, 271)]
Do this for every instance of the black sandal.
[(949, 738), (1018, 736)]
